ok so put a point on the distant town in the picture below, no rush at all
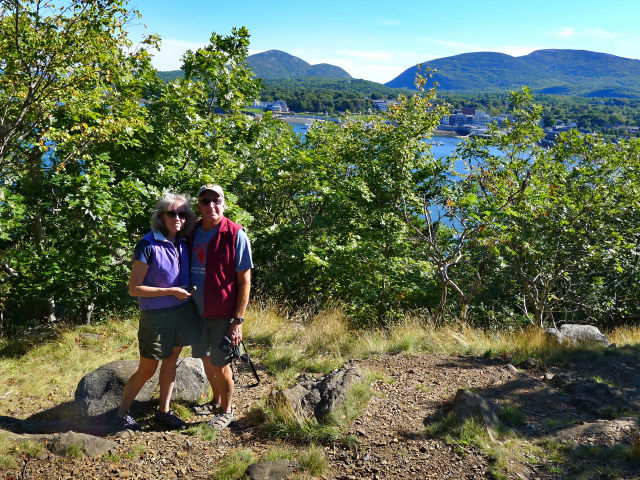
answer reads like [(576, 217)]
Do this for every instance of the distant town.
[(463, 122)]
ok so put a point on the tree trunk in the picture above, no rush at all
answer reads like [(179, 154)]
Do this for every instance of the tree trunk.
[(87, 311)]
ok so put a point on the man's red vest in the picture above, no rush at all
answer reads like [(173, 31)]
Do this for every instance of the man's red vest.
[(220, 281)]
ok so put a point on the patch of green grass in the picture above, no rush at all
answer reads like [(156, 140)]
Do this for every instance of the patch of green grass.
[(281, 452), (608, 471), (555, 469), (402, 344), (8, 452), (554, 423), (234, 465), (135, 452), (556, 452), (379, 377), (281, 422), (183, 411), (202, 431), (113, 458), (74, 450), (313, 461), (511, 415)]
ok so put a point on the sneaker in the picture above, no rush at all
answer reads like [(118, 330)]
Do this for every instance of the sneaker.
[(170, 419), (127, 422), (221, 421)]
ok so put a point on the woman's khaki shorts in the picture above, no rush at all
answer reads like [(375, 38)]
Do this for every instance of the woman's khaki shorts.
[(162, 329)]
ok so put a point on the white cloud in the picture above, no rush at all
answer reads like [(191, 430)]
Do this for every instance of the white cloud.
[(597, 33), (516, 50), (566, 32)]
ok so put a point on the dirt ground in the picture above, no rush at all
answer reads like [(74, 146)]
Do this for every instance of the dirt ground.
[(392, 440)]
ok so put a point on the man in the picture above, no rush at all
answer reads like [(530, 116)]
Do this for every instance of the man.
[(221, 272)]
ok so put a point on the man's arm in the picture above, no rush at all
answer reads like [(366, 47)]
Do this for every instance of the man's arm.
[(242, 300), (244, 287)]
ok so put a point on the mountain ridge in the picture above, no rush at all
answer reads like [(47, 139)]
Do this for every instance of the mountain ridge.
[(276, 64), (557, 71)]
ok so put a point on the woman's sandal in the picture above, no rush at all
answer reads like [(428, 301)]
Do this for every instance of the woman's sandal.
[(221, 421), (206, 409)]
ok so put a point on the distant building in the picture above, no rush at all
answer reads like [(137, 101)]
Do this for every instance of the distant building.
[(383, 105), (279, 106), (480, 118)]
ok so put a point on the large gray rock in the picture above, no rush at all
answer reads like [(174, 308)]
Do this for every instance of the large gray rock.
[(191, 382), (468, 404), (60, 443), (319, 397), (90, 445), (597, 397), (575, 334), (101, 390), (273, 470)]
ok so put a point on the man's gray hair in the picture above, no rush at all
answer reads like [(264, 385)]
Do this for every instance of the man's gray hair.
[(168, 199)]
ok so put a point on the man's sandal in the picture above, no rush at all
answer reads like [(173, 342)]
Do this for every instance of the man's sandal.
[(221, 421), (206, 409)]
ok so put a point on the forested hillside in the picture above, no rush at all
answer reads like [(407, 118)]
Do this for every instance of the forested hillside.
[(565, 72), (277, 64)]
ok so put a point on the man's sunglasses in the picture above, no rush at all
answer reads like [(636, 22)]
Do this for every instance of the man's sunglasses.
[(206, 201), (174, 214)]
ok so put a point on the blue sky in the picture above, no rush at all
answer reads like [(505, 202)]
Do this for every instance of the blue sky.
[(377, 40)]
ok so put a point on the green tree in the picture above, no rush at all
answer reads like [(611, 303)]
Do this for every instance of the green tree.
[(91, 137), (69, 89)]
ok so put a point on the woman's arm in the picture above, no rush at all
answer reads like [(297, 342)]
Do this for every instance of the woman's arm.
[(137, 289)]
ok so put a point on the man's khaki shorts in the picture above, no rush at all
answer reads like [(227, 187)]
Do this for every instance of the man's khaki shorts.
[(214, 330), (162, 329)]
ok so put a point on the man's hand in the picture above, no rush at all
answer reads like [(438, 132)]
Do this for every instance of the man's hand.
[(235, 334)]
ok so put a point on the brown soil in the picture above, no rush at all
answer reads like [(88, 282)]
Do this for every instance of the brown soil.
[(392, 440)]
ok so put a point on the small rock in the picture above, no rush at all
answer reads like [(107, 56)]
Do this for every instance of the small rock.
[(511, 368)]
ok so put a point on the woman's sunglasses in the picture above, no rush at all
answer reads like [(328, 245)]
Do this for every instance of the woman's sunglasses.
[(173, 214)]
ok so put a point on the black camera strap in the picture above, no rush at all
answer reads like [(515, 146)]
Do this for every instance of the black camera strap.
[(241, 361)]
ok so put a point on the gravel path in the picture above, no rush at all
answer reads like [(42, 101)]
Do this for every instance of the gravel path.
[(392, 444)]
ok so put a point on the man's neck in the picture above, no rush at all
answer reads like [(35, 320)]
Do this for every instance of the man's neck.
[(209, 225)]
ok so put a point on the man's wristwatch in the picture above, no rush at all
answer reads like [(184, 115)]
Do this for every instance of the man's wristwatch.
[(238, 320)]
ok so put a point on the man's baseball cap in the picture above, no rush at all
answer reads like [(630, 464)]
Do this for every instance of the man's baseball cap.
[(217, 189)]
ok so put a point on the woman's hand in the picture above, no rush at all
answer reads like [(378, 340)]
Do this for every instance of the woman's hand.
[(180, 293)]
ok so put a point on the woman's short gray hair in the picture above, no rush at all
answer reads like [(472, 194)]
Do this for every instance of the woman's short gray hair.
[(168, 199)]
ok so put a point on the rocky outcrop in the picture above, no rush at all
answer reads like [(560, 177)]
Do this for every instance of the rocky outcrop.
[(318, 397)]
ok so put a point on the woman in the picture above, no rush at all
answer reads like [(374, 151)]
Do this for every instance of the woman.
[(160, 278)]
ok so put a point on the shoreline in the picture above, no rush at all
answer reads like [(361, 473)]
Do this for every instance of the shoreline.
[(300, 120)]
